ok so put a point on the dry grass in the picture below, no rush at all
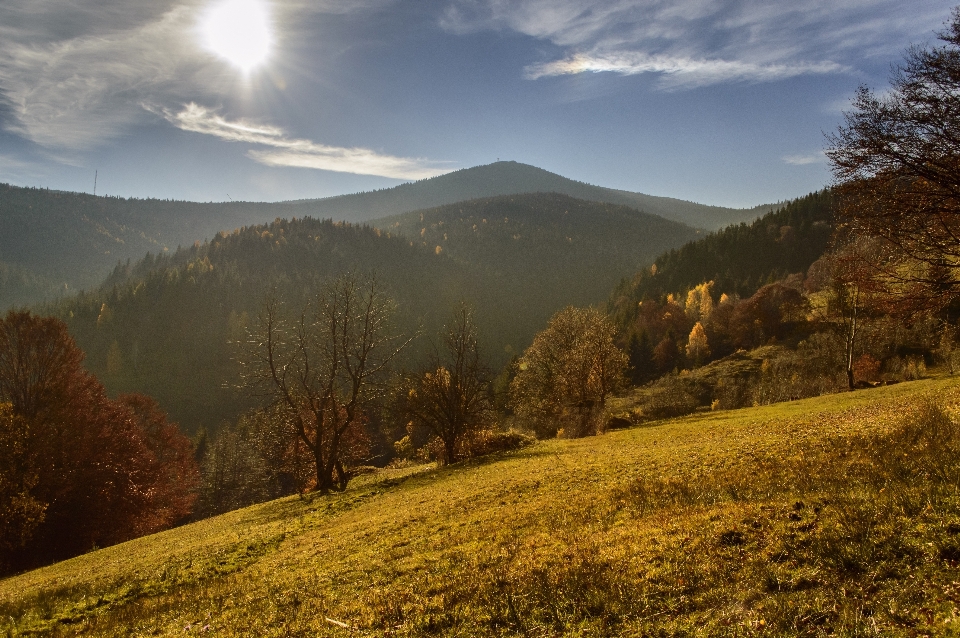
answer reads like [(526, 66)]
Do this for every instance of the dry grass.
[(831, 516)]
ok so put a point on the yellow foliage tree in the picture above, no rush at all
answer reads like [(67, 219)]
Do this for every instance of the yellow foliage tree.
[(699, 304), (698, 350)]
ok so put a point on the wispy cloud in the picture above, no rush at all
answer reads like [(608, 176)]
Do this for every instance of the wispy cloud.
[(677, 72), (803, 160), (73, 75), (72, 90), (691, 43), (286, 151)]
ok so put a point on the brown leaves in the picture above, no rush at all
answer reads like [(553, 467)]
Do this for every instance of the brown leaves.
[(101, 471)]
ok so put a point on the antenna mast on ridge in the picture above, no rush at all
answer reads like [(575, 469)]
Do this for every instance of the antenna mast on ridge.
[(95, 182)]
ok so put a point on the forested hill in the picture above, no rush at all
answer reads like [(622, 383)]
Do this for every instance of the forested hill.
[(511, 178), (739, 259), (551, 249), (54, 242), (167, 325), (163, 325)]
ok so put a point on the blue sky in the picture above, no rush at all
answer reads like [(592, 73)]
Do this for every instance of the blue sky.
[(723, 102)]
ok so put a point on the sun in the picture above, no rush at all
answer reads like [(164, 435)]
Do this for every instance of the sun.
[(238, 31)]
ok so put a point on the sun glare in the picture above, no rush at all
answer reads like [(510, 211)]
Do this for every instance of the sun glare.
[(238, 31)]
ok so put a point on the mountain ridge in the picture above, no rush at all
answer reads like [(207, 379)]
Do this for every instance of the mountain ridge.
[(514, 178), (53, 243)]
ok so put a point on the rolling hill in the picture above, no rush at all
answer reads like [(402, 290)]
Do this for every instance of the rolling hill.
[(163, 325), (53, 243), (737, 523)]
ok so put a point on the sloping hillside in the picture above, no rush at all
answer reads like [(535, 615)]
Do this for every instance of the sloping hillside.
[(727, 523), (512, 178), (163, 326), (55, 243), (739, 259), (552, 249)]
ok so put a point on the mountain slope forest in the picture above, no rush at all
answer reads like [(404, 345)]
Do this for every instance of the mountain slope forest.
[(53, 243), (164, 325), (738, 259), (569, 248)]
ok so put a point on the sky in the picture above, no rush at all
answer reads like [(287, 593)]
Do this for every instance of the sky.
[(723, 102)]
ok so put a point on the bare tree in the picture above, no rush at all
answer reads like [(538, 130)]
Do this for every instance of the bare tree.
[(325, 368), (896, 162), (450, 396)]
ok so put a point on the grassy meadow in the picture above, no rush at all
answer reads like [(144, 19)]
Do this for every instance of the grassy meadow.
[(838, 515)]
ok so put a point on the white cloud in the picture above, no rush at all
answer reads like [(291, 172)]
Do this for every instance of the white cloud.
[(75, 91), (677, 72), (695, 42), (803, 160), (74, 74), (291, 152)]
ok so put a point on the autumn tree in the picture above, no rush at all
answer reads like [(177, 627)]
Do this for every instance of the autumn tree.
[(772, 313), (698, 350), (170, 457), (449, 397), (699, 304), (104, 471), (20, 511), (257, 459), (855, 294), (896, 161), (569, 370), (324, 368)]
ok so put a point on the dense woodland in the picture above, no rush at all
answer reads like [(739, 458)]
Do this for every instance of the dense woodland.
[(164, 325), (739, 259), (54, 243)]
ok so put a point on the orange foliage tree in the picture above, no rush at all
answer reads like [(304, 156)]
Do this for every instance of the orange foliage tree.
[(103, 470)]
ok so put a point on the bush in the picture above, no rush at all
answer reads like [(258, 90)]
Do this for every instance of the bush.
[(478, 443), (669, 397), (907, 368), (816, 367), (490, 442)]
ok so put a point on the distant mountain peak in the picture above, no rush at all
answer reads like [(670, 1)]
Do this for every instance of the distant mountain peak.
[(508, 177)]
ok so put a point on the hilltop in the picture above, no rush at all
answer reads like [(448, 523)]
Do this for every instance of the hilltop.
[(725, 523), (513, 178)]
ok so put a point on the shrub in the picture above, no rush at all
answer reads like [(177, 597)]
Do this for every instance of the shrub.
[(816, 367), (478, 443), (491, 441), (669, 397)]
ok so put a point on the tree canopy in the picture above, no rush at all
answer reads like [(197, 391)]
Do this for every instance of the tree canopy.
[(79, 469), (896, 161)]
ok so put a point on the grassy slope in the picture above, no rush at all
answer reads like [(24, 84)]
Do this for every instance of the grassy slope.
[(560, 538)]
